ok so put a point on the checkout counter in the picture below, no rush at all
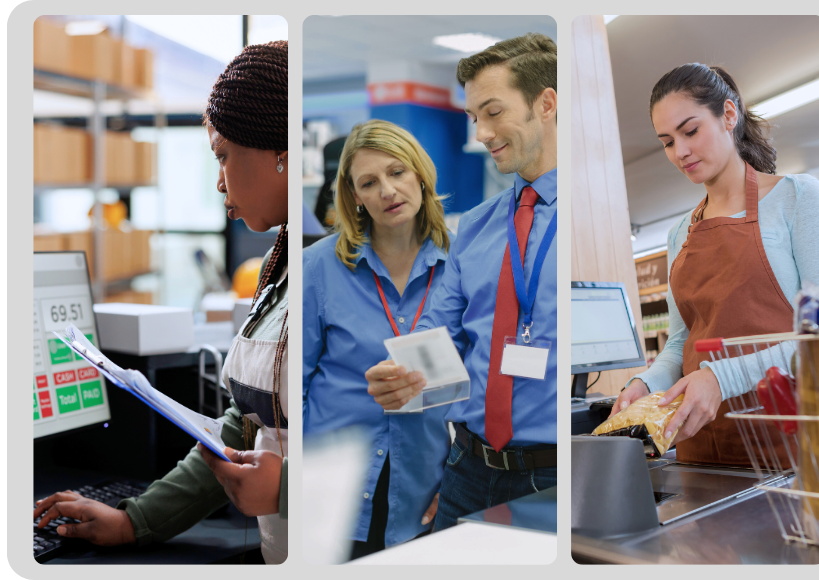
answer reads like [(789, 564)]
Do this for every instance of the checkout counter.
[(523, 530), (704, 514)]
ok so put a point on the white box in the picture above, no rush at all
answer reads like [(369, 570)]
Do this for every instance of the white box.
[(144, 329), (241, 310)]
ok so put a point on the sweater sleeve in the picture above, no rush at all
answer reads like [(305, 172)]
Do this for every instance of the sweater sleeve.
[(186, 495), (667, 367)]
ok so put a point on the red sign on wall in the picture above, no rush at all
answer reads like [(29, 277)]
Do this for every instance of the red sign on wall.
[(42, 381), (45, 404), (87, 373), (387, 93), (65, 377)]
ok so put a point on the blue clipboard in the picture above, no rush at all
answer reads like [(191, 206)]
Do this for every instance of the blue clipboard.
[(116, 381)]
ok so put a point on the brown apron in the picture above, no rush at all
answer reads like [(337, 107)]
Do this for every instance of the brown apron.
[(724, 287)]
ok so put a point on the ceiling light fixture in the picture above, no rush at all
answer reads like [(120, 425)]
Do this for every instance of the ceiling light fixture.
[(608, 18), (467, 42), (788, 100)]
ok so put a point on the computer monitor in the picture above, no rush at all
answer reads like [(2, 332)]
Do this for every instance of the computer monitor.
[(604, 334), (68, 392)]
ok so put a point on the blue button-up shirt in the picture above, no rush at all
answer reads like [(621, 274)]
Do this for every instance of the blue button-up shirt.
[(344, 330), (466, 306)]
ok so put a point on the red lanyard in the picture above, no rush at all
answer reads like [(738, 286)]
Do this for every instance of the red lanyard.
[(387, 308)]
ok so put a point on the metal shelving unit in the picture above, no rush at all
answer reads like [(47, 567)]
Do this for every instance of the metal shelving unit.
[(98, 92)]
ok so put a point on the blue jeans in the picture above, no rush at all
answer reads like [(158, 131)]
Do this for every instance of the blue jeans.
[(469, 485)]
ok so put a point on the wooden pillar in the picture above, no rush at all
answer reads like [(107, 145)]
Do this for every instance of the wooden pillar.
[(601, 230)]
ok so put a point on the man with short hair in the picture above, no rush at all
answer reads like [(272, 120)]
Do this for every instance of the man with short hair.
[(500, 287)]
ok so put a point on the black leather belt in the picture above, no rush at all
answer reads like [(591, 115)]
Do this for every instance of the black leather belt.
[(507, 460)]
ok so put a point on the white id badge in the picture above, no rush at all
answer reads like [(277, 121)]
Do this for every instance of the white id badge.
[(525, 359)]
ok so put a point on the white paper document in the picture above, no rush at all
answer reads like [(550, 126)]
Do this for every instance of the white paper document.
[(204, 429), (434, 355)]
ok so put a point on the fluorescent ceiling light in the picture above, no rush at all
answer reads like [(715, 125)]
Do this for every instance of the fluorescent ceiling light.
[(84, 27), (468, 42), (608, 18), (788, 101)]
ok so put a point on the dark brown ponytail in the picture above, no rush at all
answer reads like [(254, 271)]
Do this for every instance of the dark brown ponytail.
[(711, 87)]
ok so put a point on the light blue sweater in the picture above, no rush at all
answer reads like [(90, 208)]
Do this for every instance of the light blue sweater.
[(789, 225)]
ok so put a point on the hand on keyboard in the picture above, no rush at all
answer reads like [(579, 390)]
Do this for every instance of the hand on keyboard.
[(100, 524)]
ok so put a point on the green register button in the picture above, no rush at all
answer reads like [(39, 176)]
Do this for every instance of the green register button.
[(59, 352), (91, 394), (36, 409), (90, 338), (68, 399)]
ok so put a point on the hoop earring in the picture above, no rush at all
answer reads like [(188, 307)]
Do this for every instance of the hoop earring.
[(358, 209), (279, 167), (423, 187)]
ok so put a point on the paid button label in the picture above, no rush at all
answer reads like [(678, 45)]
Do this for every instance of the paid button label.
[(91, 394), (68, 399)]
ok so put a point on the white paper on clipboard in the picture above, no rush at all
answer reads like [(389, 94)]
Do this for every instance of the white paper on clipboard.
[(433, 354), (204, 429)]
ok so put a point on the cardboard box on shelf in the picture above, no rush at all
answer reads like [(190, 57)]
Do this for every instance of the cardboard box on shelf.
[(141, 251), (75, 141), (51, 46), (120, 158), (145, 173), (112, 254), (131, 297), (92, 56), (144, 67), (123, 57), (82, 241), (49, 243)]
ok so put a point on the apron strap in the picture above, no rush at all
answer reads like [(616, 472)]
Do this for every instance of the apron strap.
[(751, 194)]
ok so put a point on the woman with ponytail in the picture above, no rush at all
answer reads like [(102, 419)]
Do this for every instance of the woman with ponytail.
[(737, 260), (246, 120)]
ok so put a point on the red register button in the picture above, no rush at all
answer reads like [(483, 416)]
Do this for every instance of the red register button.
[(45, 403), (88, 373), (42, 381), (65, 377)]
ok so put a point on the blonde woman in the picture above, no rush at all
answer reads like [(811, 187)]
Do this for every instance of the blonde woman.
[(368, 282)]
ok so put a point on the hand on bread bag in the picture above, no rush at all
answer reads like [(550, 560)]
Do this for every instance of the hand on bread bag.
[(700, 404)]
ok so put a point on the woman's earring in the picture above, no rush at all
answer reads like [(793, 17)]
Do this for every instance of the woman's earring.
[(279, 167), (423, 187), (358, 209)]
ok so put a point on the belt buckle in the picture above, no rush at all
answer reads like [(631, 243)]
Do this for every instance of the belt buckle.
[(486, 458)]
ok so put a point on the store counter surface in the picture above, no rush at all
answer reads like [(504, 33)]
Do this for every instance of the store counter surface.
[(522, 531), (739, 530)]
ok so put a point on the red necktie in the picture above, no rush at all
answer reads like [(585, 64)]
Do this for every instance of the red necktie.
[(498, 416)]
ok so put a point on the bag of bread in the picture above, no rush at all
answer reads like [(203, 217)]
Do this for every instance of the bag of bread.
[(643, 420)]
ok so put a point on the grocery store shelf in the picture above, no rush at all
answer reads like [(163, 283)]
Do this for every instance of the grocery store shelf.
[(67, 85), (654, 290), (44, 188)]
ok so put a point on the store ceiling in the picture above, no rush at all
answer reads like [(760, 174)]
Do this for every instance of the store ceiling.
[(341, 47), (765, 55)]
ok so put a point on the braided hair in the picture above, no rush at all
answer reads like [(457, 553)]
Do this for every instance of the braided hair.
[(248, 103), (248, 106)]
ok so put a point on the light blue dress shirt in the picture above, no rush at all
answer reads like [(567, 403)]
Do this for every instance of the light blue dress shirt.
[(344, 330), (788, 215), (466, 306)]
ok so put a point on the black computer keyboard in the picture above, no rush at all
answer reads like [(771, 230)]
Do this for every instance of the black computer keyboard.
[(48, 544)]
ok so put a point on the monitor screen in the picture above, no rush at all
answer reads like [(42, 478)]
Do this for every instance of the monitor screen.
[(68, 392), (604, 335)]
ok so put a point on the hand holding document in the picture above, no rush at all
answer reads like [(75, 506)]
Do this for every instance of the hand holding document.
[(204, 429), (433, 354)]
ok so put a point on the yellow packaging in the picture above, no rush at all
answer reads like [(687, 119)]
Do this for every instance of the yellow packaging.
[(808, 433), (643, 419)]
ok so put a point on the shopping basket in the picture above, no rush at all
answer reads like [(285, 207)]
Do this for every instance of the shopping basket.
[(790, 480)]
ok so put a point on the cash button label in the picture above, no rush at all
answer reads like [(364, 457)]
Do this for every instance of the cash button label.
[(68, 399), (91, 394), (65, 377)]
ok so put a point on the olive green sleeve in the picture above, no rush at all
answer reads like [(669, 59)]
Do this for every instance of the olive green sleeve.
[(186, 495)]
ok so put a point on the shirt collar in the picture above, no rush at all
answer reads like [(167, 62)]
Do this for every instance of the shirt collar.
[(545, 186), (430, 253)]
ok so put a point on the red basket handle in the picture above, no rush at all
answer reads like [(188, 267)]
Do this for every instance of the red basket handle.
[(708, 345)]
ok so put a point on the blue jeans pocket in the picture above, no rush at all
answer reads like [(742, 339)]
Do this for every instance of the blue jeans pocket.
[(456, 453)]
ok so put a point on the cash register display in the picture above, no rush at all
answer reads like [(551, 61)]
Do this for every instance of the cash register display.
[(68, 392), (603, 330)]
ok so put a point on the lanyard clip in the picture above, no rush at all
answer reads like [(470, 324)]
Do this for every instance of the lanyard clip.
[(527, 338)]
